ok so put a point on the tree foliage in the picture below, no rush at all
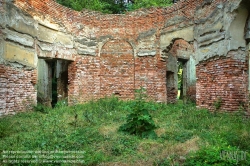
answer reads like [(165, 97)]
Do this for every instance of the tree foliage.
[(113, 6), (149, 3)]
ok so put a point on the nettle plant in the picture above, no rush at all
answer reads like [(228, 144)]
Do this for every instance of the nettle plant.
[(139, 122)]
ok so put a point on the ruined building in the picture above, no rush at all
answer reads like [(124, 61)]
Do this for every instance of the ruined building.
[(49, 50)]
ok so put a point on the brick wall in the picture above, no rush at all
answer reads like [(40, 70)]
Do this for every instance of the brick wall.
[(221, 55), (84, 79), (150, 73), (17, 92), (116, 72), (225, 78), (87, 79), (116, 54), (129, 24), (117, 69)]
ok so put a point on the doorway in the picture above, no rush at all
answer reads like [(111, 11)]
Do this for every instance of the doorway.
[(171, 87), (180, 64), (182, 79), (52, 81)]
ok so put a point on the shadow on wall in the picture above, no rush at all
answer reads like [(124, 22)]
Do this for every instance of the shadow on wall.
[(52, 83)]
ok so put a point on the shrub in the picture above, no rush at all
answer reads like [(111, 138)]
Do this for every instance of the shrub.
[(139, 121)]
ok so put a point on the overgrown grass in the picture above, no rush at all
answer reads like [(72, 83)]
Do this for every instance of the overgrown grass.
[(185, 135)]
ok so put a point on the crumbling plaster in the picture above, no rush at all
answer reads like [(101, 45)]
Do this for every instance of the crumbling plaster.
[(34, 29), (221, 30), (237, 29), (221, 55)]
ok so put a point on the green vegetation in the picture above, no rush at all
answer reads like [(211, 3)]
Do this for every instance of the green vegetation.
[(113, 6), (185, 135), (139, 121), (180, 79), (217, 103)]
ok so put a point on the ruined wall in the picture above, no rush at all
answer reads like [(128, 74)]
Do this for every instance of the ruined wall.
[(221, 54), (147, 31), (23, 40), (17, 68), (116, 54), (116, 73), (83, 37), (117, 69), (17, 92), (182, 52), (223, 79)]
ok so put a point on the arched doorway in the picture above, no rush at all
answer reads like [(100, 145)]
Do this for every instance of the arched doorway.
[(180, 71), (117, 69)]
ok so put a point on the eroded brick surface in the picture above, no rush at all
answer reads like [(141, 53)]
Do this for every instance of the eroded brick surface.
[(116, 54), (222, 78), (117, 70), (17, 92)]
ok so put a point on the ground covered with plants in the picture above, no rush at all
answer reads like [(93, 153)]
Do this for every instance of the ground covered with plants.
[(138, 132)]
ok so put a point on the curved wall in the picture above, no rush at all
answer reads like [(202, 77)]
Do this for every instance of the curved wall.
[(132, 49)]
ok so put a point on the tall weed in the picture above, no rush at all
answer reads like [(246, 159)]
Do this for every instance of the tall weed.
[(140, 121)]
